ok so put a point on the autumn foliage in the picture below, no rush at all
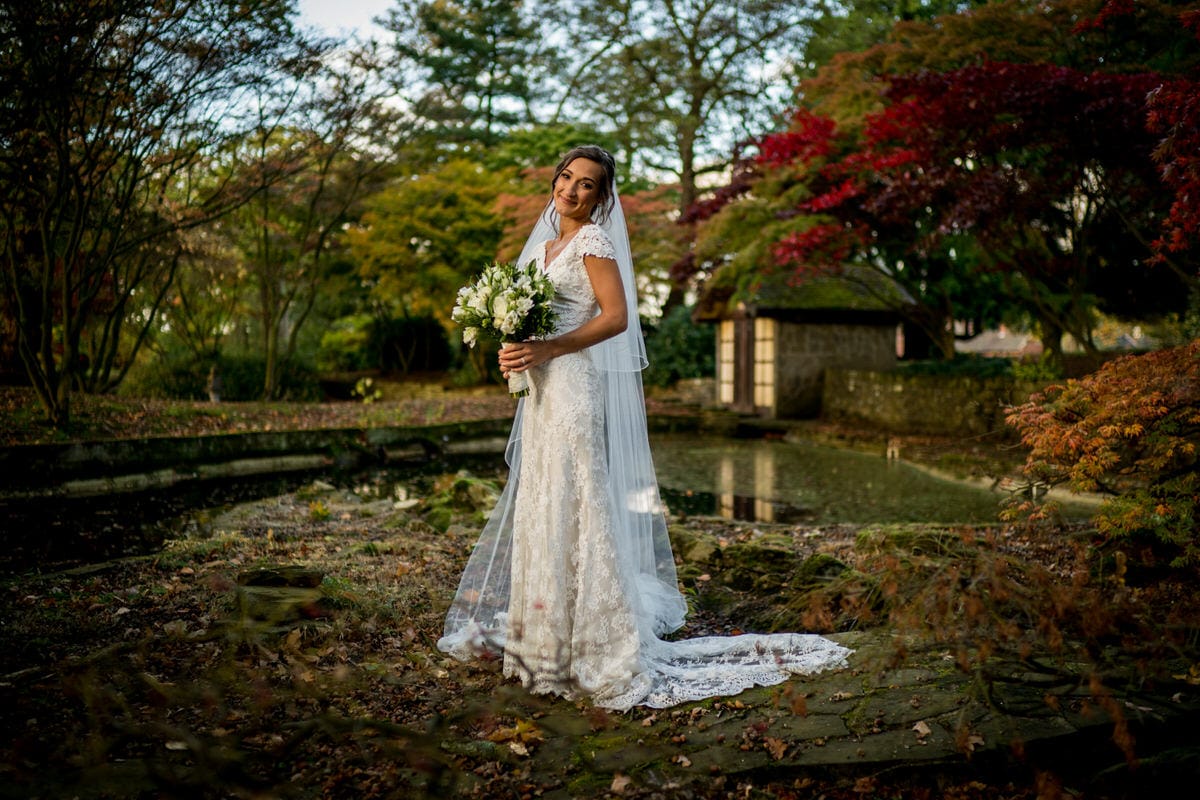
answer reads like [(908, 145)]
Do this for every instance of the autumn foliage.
[(1175, 113), (1048, 169), (1130, 431)]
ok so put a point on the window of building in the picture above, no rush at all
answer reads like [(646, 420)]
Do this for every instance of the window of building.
[(764, 363), (725, 360)]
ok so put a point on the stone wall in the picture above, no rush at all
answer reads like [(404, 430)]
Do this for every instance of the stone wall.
[(932, 404), (804, 353)]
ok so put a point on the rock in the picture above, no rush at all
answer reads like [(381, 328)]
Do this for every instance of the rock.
[(762, 564), (817, 569), (282, 576), (439, 518), (282, 605), (482, 495), (315, 489), (704, 552)]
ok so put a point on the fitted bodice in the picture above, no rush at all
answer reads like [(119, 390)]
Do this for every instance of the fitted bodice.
[(574, 300)]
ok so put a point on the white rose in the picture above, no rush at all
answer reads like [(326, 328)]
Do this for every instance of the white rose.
[(470, 335)]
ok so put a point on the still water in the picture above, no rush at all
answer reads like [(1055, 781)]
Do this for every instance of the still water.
[(799, 482), (745, 479)]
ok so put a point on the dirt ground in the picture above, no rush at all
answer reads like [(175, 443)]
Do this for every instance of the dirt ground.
[(286, 648)]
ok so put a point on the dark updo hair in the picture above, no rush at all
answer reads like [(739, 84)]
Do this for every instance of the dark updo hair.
[(606, 201)]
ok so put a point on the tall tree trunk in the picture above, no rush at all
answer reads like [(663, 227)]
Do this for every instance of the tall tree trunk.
[(687, 197)]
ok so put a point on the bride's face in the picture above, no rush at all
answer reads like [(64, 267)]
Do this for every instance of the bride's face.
[(577, 189)]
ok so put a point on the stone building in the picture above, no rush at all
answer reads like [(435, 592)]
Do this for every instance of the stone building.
[(775, 342)]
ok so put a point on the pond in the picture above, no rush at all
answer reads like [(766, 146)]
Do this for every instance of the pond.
[(744, 479), (799, 482)]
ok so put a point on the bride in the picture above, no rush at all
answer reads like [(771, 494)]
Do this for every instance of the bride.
[(573, 576)]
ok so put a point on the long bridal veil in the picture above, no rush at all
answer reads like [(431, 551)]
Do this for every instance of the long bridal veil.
[(478, 614), (673, 671)]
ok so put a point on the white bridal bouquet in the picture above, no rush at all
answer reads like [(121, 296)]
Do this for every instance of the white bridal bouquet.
[(510, 303)]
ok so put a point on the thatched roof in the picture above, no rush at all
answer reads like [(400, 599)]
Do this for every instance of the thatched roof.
[(858, 295)]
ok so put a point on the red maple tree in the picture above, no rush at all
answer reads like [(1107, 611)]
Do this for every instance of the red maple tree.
[(1048, 170)]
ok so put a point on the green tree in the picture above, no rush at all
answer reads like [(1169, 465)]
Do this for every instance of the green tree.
[(852, 26), (479, 66), (849, 85), (109, 111), (207, 300), (679, 81), (679, 78), (424, 237)]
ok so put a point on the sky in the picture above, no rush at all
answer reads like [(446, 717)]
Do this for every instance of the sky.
[(340, 16)]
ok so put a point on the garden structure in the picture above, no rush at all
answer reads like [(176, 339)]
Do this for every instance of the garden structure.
[(775, 341)]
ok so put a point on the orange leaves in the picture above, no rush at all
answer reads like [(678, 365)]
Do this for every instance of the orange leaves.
[(519, 738), (1131, 430)]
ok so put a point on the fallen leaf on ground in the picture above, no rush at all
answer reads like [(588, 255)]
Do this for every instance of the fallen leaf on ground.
[(776, 747), (523, 732)]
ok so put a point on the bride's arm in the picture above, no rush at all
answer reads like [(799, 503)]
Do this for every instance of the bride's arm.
[(612, 319)]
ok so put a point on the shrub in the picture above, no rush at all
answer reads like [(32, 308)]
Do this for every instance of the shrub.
[(970, 366), (346, 345), (394, 344), (184, 376), (1036, 370), (1131, 431), (410, 344), (679, 348)]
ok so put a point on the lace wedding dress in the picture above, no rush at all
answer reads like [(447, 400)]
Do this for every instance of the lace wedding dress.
[(573, 578)]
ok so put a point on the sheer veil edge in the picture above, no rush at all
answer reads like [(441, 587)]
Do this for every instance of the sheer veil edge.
[(477, 616)]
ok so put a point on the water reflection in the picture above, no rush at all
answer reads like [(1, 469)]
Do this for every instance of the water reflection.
[(791, 482)]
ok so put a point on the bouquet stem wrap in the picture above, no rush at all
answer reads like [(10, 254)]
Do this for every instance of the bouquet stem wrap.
[(518, 382)]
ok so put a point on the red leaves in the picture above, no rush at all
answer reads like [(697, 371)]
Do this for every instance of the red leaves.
[(1112, 10), (810, 137), (821, 248), (1174, 112), (841, 193)]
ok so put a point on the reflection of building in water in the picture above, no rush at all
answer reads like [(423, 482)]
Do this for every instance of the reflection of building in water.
[(756, 504)]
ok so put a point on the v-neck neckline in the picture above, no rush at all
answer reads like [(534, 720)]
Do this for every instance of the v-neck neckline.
[(547, 260)]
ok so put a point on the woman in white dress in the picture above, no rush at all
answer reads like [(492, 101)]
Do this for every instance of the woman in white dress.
[(573, 576)]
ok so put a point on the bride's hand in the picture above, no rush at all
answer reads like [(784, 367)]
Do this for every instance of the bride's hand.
[(521, 356)]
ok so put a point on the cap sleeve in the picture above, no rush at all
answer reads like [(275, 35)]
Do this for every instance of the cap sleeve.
[(594, 241)]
